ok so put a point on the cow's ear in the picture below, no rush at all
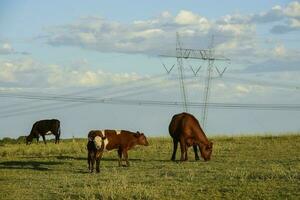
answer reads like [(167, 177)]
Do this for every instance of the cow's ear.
[(138, 132)]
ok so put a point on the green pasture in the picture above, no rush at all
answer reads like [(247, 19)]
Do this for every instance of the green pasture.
[(242, 167)]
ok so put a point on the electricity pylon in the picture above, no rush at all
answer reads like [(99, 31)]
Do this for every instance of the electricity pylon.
[(198, 54)]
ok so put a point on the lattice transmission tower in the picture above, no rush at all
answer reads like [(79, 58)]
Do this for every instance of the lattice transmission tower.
[(198, 54)]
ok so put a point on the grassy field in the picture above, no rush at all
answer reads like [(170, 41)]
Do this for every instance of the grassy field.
[(255, 167)]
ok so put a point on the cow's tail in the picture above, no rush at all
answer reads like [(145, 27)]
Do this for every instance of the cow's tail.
[(58, 133)]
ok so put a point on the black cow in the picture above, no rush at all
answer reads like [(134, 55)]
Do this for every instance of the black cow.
[(44, 127)]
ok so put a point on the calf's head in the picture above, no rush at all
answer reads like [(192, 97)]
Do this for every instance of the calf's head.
[(141, 139), (98, 142), (206, 151)]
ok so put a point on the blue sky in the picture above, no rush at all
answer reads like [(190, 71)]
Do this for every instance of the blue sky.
[(62, 47)]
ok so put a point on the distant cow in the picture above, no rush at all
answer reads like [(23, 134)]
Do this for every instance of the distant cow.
[(185, 129), (44, 127), (106, 140)]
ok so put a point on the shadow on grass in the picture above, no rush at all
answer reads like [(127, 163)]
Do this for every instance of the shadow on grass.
[(103, 169), (33, 165), (82, 171), (117, 159), (70, 158), (57, 157), (165, 160)]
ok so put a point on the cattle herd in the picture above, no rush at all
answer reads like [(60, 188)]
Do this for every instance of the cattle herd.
[(184, 129)]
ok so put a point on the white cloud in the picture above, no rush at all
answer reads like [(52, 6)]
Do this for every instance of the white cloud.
[(10, 70), (279, 50), (149, 33), (295, 23), (140, 36), (30, 73), (242, 89), (6, 48), (292, 9), (236, 29), (185, 17), (236, 34), (285, 17), (7, 72)]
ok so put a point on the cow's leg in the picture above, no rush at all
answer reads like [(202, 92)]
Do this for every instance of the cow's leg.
[(183, 149), (125, 154), (120, 156), (186, 152), (44, 139), (196, 152), (98, 158), (90, 161), (36, 135), (200, 149), (56, 139), (175, 145), (93, 158)]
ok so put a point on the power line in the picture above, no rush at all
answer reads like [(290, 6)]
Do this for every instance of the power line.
[(37, 108), (119, 86), (291, 107)]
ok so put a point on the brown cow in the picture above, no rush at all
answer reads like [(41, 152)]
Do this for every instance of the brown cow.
[(185, 129), (106, 140), (43, 128), (94, 151)]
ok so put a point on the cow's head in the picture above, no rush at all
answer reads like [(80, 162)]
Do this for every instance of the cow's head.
[(98, 141), (142, 140), (206, 151), (29, 139)]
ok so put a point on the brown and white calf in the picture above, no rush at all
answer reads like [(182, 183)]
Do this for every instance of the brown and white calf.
[(106, 140)]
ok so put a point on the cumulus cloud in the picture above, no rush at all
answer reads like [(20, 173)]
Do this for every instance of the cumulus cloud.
[(292, 9), (157, 35), (273, 15), (6, 48), (235, 34), (10, 70), (291, 16), (185, 17), (30, 73), (279, 50), (241, 89), (285, 18), (142, 36), (289, 26)]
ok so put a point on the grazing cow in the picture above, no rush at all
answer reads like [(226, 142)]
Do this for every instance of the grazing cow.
[(106, 140), (185, 129), (44, 127)]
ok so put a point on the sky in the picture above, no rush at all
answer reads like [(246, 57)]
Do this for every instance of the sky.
[(111, 49)]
